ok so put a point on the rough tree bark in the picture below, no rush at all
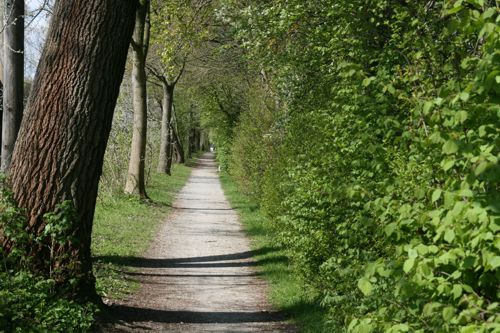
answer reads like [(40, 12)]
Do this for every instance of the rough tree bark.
[(13, 78), (59, 153), (140, 41)]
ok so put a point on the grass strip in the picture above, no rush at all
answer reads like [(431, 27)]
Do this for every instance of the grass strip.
[(287, 289), (124, 228)]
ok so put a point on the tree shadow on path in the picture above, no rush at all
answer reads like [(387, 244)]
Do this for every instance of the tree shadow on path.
[(241, 259)]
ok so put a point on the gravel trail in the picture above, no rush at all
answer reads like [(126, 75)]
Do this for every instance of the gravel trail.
[(199, 275)]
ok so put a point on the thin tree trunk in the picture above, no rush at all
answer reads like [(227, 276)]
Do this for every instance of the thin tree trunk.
[(196, 140), (176, 152), (13, 78), (60, 150), (170, 151), (177, 141), (2, 23), (136, 172), (165, 161)]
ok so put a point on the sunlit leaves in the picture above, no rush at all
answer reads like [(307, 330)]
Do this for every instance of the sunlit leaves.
[(387, 191)]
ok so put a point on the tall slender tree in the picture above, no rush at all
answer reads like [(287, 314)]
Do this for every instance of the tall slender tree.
[(140, 43), (13, 78), (166, 144), (59, 154), (179, 26)]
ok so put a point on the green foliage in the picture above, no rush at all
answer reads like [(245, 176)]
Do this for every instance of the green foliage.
[(222, 104), (177, 27), (257, 132), (29, 303), (384, 187), (286, 292), (32, 300)]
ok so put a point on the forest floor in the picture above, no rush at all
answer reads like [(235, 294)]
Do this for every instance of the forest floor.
[(199, 274)]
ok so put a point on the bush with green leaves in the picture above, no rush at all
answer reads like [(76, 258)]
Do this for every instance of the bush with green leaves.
[(256, 139), (386, 193), (32, 300)]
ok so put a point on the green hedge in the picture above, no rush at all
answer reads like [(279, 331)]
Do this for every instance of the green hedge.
[(385, 184)]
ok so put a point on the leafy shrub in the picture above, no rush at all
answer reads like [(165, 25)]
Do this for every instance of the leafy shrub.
[(257, 132), (29, 303), (31, 300), (386, 190)]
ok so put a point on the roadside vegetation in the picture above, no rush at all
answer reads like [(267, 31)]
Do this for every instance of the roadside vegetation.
[(286, 293), (124, 228), (370, 140), (363, 134)]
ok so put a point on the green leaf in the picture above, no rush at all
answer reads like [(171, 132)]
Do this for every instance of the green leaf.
[(457, 291), (467, 288), (365, 286), (448, 313), (368, 81), (400, 328), (390, 228), (364, 327), (384, 272), (461, 116), (450, 147), (430, 309), (454, 10), (466, 193), (488, 28), (449, 235), (464, 96), (436, 194), (427, 107), (481, 168), (482, 131), (408, 265), (489, 13), (447, 164), (493, 261), (469, 329)]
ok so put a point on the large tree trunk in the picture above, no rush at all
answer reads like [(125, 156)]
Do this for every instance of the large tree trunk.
[(165, 161), (136, 183), (13, 78), (60, 150)]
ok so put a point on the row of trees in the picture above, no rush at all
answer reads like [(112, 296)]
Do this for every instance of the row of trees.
[(368, 130), (51, 187)]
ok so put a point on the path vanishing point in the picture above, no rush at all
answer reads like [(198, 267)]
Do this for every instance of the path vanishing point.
[(199, 275)]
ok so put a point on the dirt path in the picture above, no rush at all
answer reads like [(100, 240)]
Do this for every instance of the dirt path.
[(199, 275)]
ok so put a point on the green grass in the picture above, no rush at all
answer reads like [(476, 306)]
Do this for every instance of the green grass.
[(287, 292), (124, 227)]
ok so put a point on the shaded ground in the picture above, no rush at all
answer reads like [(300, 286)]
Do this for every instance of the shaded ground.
[(199, 275)]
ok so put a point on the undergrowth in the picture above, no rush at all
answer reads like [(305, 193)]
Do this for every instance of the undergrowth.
[(33, 300), (286, 287)]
